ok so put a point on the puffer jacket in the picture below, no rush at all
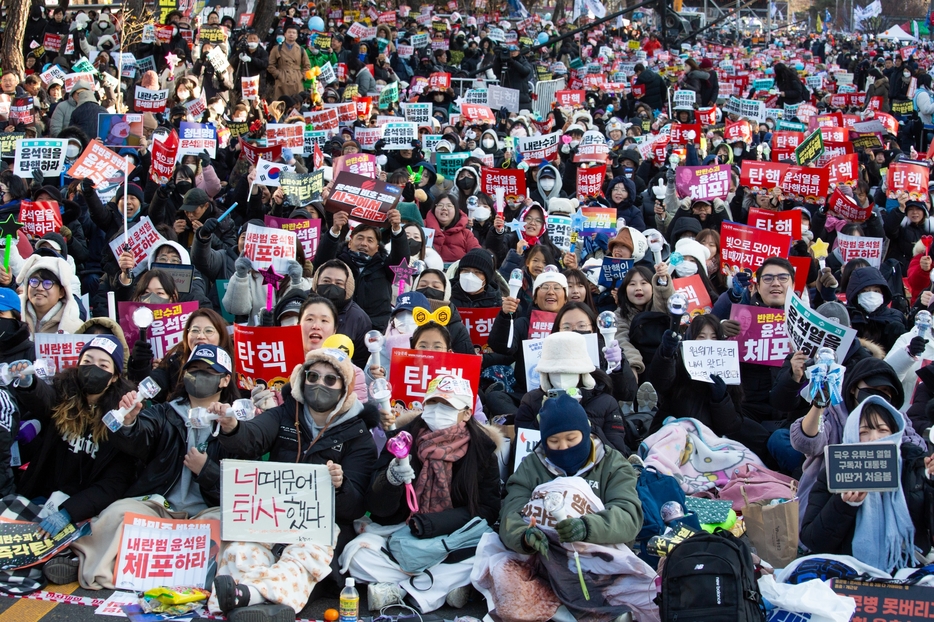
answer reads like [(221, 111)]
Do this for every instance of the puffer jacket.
[(452, 242), (884, 325), (628, 208), (660, 296)]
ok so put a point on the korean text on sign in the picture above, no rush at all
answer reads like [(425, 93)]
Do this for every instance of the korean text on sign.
[(747, 247), (266, 247), (412, 370), (142, 238), (167, 328), (763, 339), (268, 353), (478, 323), (809, 330), (156, 552), (704, 358)]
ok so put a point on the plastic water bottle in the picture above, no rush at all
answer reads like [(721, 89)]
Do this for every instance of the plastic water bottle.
[(349, 602)]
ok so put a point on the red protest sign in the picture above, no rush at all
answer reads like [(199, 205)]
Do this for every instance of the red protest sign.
[(267, 353), (786, 223), (831, 119), (758, 176), (253, 153), (249, 87), (846, 208), (163, 158), (707, 116), (703, 182), (246, 20), (834, 134), (685, 133), (363, 106), (479, 322), (573, 99), (477, 113), (512, 180), (541, 324), (910, 178), (745, 247), (100, 164), (590, 180), (802, 266), (808, 184), (412, 370), (843, 169), (164, 33), (439, 81), (698, 298), (365, 199), (40, 217), (786, 140), (739, 131), (638, 90)]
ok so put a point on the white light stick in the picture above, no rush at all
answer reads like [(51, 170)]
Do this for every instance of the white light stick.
[(381, 391), (43, 368), (148, 388), (606, 323), (515, 284), (374, 341), (241, 410)]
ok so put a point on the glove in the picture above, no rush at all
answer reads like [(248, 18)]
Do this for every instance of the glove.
[(613, 354), (294, 270), (245, 58), (536, 540), (419, 526), (718, 391), (54, 523), (208, 228), (670, 176), (28, 430), (142, 352), (24, 381), (264, 399), (826, 279), (669, 345), (572, 530), (740, 284), (38, 176), (266, 318), (400, 472), (287, 155), (87, 185), (731, 328), (242, 266), (916, 345), (205, 159)]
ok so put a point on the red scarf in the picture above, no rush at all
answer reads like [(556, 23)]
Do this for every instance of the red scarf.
[(438, 451)]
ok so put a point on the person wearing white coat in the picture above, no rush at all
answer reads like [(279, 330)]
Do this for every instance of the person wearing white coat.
[(905, 363)]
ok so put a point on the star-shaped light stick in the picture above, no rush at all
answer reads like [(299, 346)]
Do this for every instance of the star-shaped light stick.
[(404, 274), (819, 249), (271, 280)]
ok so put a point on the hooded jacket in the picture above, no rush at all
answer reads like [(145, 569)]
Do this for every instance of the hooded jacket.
[(456, 240), (628, 208), (352, 321), (883, 325), (538, 194), (199, 287), (64, 317)]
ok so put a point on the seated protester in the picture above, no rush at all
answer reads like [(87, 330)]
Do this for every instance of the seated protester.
[(532, 261), (474, 283), (75, 454), (321, 422), (453, 239), (579, 288), (694, 261), (197, 208), (532, 233), (868, 296), (416, 235), (549, 294), (48, 302), (455, 473), (371, 264), (204, 327), (572, 461), (714, 404), (641, 293), (433, 284), (566, 366), (880, 529), (174, 254), (824, 426), (318, 319), (178, 460), (214, 259), (334, 280), (15, 341)]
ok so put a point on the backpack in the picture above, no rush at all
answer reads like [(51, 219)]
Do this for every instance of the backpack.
[(710, 578), (645, 332)]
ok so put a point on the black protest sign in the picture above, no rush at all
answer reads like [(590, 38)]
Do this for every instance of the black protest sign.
[(869, 467), (182, 275), (365, 199), (21, 544), (302, 188), (8, 143), (887, 602)]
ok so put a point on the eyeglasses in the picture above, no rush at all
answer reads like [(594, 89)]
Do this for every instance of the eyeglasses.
[(550, 289), (768, 279), (47, 284), (172, 259), (535, 221), (584, 326), (313, 377), (210, 331)]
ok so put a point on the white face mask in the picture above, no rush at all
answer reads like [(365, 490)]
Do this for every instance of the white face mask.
[(737, 151), (404, 322), (686, 268), (907, 75), (547, 184), (481, 214), (470, 282), (870, 300), (563, 381), (192, 167), (716, 142), (182, 95), (440, 416), (252, 44), (575, 143), (488, 143)]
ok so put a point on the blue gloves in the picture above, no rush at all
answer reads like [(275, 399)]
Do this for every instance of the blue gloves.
[(287, 155), (740, 284), (54, 523)]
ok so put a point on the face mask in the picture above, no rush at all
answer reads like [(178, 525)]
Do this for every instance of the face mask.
[(769, 125), (8, 327), (563, 381), (155, 299), (488, 143), (92, 379), (575, 143), (481, 214), (320, 398), (716, 142), (192, 167), (219, 110), (465, 183), (183, 95), (252, 45), (862, 394), (239, 120), (182, 187), (721, 159), (334, 293), (72, 151), (404, 322), (431, 293), (686, 268), (737, 151), (201, 384), (572, 459), (907, 75), (439, 416), (470, 282), (870, 300), (547, 184)]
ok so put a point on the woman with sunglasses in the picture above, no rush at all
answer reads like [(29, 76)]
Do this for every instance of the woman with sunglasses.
[(321, 422), (318, 319), (48, 304)]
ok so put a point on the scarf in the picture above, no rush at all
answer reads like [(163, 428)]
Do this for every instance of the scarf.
[(884, 534), (438, 451)]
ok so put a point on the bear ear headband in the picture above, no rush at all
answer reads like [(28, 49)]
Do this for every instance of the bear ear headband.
[(422, 316)]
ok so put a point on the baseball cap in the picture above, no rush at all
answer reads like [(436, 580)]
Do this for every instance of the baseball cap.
[(451, 389), (409, 300), (293, 306), (195, 198), (9, 301), (215, 356), (878, 381)]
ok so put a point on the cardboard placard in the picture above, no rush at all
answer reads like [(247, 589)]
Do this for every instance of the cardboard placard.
[(862, 467), (150, 100), (910, 178), (267, 246), (142, 239), (366, 200), (590, 181), (708, 357), (854, 246), (267, 353), (786, 223), (194, 138), (540, 148), (307, 230), (810, 149), (613, 271), (39, 154), (63, 350), (363, 164), (249, 88), (541, 324), (808, 330), (512, 181)]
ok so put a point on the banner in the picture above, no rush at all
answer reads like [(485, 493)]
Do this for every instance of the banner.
[(307, 230), (365, 199), (590, 181), (357, 163), (704, 358), (537, 149), (479, 322), (155, 552), (412, 370), (762, 339), (99, 164), (703, 182), (786, 223), (195, 138), (911, 178), (39, 154), (40, 217), (698, 297), (512, 181), (267, 353), (598, 220), (289, 135), (807, 184), (164, 151), (759, 176), (275, 503), (167, 329), (266, 246), (855, 246), (745, 247), (63, 350), (149, 100)]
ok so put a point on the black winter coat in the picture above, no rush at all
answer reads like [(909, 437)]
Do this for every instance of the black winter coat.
[(656, 91), (884, 325)]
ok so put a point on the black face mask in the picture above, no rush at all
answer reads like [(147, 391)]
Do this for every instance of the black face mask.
[(465, 183), (320, 398), (862, 394), (92, 379), (334, 293), (8, 327), (182, 187), (431, 293)]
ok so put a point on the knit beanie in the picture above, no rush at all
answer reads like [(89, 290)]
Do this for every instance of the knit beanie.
[(109, 344), (478, 259)]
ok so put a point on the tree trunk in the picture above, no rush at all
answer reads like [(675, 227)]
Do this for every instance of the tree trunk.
[(17, 13), (133, 7), (558, 12), (264, 16)]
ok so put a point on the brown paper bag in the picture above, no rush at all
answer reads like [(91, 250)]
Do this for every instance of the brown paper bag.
[(773, 531)]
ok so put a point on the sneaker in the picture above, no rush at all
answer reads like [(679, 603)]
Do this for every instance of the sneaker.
[(647, 397), (231, 596), (636, 461), (262, 613), (61, 570), (458, 597)]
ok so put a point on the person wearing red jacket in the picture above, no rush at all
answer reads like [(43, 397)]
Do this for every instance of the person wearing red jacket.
[(453, 239), (919, 270)]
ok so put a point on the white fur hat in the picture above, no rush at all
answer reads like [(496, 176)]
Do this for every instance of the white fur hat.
[(565, 353), (550, 277), (692, 248)]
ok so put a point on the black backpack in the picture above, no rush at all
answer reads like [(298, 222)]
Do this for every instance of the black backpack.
[(645, 332), (710, 578)]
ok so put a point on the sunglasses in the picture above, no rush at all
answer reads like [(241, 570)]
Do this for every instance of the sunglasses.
[(47, 284), (313, 377)]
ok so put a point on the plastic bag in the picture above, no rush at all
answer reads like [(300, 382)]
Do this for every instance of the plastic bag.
[(812, 597)]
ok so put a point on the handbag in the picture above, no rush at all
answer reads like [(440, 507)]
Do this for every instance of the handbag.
[(757, 484), (415, 555)]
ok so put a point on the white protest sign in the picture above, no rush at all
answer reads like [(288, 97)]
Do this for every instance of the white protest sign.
[(501, 97), (276, 503), (219, 59), (54, 73), (707, 357), (419, 114), (268, 246), (684, 99), (532, 348), (526, 440), (367, 137), (149, 100), (142, 239), (156, 552), (327, 74), (43, 154), (476, 96), (63, 350), (855, 246), (399, 135), (808, 330)]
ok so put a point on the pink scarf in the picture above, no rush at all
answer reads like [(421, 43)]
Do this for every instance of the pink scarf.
[(438, 451)]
